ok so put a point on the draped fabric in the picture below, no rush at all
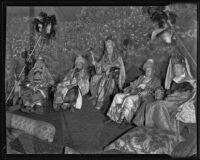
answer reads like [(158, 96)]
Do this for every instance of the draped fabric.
[(73, 78), (102, 84), (186, 112), (36, 92), (125, 105), (162, 114), (45, 78), (177, 106), (144, 140)]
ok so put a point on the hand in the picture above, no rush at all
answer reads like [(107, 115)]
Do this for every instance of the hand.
[(107, 72), (35, 88), (142, 86), (144, 93), (126, 90)]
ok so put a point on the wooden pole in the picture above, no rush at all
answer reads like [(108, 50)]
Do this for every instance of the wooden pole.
[(32, 29)]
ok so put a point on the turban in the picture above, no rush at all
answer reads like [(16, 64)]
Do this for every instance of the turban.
[(80, 59), (149, 64)]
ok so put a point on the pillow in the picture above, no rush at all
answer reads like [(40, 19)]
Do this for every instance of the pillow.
[(143, 140), (39, 129)]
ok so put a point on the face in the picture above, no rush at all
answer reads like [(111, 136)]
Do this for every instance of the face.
[(79, 65), (48, 28), (38, 73), (178, 70), (167, 37), (159, 94), (148, 72), (40, 27), (109, 46)]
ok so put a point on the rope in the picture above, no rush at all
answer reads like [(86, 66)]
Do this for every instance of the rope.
[(182, 44), (186, 49), (24, 67)]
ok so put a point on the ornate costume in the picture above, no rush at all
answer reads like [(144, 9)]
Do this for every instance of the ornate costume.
[(177, 106), (35, 93), (125, 105), (74, 86), (108, 73)]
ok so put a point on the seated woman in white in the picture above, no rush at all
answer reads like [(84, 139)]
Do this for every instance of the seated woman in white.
[(125, 105)]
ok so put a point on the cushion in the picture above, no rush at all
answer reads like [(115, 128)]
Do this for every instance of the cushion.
[(39, 129), (28, 144), (143, 140)]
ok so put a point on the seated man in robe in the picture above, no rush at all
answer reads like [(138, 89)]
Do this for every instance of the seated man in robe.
[(35, 94), (178, 103), (125, 105), (75, 85)]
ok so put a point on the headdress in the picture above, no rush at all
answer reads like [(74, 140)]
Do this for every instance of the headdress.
[(40, 66), (39, 63), (148, 64), (177, 59), (80, 59), (110, 37)]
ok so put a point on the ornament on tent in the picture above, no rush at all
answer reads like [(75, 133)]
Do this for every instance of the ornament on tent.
[(165, 20), (45, 25)]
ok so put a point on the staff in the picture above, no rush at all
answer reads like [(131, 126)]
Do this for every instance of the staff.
[(24, 67)]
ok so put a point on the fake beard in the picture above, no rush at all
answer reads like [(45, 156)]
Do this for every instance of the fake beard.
[(38, 76)]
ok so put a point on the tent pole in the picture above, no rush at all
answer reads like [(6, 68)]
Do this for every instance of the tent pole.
[(32, 30)]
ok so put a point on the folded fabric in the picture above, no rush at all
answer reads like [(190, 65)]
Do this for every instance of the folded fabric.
[(39, 129), (187, 113), (143, 140)]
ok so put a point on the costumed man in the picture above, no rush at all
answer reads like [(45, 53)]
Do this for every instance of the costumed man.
[(18, 64), (75, 85), (177, 106), (104, 81), (125, 105), (35, 93)]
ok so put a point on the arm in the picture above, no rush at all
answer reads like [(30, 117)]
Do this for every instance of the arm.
[(151, 87), (135, 83), (132, 85), (94, 62)]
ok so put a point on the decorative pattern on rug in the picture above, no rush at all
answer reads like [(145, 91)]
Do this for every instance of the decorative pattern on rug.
[(142, 140), (40, 129)]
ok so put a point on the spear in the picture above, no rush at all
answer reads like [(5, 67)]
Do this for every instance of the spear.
[(24, 67)]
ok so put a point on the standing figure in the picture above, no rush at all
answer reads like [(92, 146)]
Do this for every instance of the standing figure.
[(178, 105), (103, 82), (75, 85), (125, 105), (29, 63), (35, 94), (17, 66)]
